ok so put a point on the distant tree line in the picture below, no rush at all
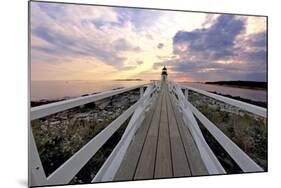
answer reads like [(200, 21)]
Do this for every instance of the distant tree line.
[(239, 83), (257, 103)]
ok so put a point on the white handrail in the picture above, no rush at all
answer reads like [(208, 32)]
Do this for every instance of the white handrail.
[(111, 165), (245, 106), (48, 109), (65, 173), (36, 171), (72, 166), (239, 156), (210, 160)]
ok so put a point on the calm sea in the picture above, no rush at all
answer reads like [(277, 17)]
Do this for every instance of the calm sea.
[(60, 89), (253, 94)]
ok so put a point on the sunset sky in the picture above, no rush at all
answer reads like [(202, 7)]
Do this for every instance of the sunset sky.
[(79, 42)]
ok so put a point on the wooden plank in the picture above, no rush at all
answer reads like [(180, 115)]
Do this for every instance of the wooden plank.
[(128, 166), (163, 166), (145, 167), (109, 168), (162, 147), (197, 166), (179, 157), (210, 160)]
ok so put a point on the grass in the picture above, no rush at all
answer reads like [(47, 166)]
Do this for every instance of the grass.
[(57, 143), (247, 130)]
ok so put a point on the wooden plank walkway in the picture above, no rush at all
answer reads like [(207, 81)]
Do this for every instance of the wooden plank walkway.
[(163, 146)]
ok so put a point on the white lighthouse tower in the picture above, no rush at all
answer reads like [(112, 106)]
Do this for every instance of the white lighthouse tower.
[(164, 74)]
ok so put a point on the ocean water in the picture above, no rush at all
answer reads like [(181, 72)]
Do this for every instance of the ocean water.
[(252, 94), (51, 90), (60, 89)]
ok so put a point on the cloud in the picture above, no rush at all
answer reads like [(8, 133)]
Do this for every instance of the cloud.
[(217, 42), (140, 18), (80, 36), (160, 45), (220, 52), (211, 71), (198, 45), (75, 46), (124, 45), (139, 62), (253, 49), (258, 39)]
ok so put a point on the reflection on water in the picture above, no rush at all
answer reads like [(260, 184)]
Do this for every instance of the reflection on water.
[(60, 89), (256, 95)]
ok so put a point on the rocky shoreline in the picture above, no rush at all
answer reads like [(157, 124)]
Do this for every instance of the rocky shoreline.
[(257, 103), (60, 135), (247, 130), (241, 84)]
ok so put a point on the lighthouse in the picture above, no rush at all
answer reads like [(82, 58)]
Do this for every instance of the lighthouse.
[(164, 74)]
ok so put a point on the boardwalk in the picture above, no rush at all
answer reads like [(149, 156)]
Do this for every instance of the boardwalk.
[(162, 147), (165, 141)]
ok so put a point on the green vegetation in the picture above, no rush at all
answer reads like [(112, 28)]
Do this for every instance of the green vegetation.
[(242, 84), (56, 144), (227, 162), (61, 135), (247, 130), (257, 103), (88, 172)]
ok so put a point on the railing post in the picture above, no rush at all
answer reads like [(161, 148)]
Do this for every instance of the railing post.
[(237, 154), (36, 172), (242, 105), (210, 160), (141, 92), (113, 162), (52, 108), (186, 94)]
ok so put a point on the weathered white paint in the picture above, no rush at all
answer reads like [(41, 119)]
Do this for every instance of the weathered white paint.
[(141, 91), (48, 109), (245, 106), (111, 165), (239, 156), (186, 94), (36, 171), (210, 160), (72, 166)]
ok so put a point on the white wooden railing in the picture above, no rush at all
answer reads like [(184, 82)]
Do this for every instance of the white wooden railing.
[(242, 105), (65, 173), (190, 112), (48, 109), (111, 165)]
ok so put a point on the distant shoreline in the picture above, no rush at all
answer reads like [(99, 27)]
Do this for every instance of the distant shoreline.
[(241, 84), (249, 101), (40, 102), (137, 79), (34, 103)]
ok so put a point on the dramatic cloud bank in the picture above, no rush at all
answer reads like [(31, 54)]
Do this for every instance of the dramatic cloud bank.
[(81, 42), (221, 52)]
